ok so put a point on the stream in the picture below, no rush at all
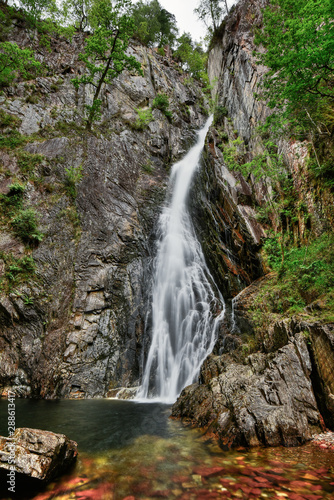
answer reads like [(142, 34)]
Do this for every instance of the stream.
[(134, 451)]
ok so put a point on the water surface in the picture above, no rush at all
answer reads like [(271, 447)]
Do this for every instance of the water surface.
[(134, 451)]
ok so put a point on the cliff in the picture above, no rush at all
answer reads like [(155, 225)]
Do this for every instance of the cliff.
[(269, 373), (73, 306)]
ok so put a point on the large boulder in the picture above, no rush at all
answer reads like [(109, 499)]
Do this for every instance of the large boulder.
[(38, 454), (267, 400)]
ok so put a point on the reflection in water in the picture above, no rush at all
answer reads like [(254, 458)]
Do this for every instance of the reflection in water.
[(96, 425), (133, 450)]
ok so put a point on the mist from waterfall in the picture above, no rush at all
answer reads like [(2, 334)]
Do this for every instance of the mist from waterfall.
[(185, 308)]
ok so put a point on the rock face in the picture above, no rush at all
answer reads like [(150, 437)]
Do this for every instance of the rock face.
[(268, 400), (74, 326), (273, 396), (39, 454)]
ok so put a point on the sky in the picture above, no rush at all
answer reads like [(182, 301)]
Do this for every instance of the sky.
[(186, 19)]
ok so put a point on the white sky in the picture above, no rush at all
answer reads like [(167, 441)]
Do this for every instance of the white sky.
[(186, 19)]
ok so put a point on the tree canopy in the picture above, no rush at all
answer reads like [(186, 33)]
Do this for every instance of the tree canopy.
[(154, 25), (212, 12), (105, 54), (298, 36)]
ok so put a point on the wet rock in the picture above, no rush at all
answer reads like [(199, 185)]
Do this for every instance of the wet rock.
[(38, 454), (79, 330), (269, 400)]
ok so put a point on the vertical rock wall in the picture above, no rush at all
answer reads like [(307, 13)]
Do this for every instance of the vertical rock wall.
[(74, 327)]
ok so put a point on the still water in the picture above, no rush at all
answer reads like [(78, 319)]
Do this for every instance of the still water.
[(134, 451)]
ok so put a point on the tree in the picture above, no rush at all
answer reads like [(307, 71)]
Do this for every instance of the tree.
[(105, 51), (298, 36), (192, 57), (78, 12), (153, 24), (211, 12), (15, 61), (35, 8)]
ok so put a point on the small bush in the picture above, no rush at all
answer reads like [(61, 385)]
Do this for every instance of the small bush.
[(144, 118), (14, 196), (72, 178), (25, 226), (219, 115), (7, 120), (32, 99), (12, 139), (161, 102), (18, 269), (28, 161)]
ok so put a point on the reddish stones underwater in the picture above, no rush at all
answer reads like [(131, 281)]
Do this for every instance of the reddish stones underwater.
[(189, 469)]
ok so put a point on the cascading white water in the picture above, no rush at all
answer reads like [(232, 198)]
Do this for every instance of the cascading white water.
[(185, 310)]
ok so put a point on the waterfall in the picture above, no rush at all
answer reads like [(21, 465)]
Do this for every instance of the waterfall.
[(185, 309)]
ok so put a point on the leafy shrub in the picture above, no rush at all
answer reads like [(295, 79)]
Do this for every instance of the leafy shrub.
[(144, 118), (72, 178), (14, 196), (25, 226), (15, 61), (12, 139), (219, 115), (28, 161), (161, 102), (8, 120)]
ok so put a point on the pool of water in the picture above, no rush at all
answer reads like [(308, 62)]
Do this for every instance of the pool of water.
[(134, 451)]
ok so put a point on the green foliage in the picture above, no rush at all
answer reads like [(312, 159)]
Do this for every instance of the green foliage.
[(307, 272), (36, 8), (148, 167), (25, 227), (220, 113), (78, 12), (72, 178), (211, 12), (105, 54), (27, 162), (12, 139), (17, 270), (7, 120), (161, 102), (15, 62), (192, 57), (14, 197), (154, 25), (144, 118), (299, 39)]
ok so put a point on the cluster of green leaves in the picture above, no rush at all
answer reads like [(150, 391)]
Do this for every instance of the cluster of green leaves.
[(10, 137), (15, 62), (105, 54), (192, 57), (144, 118), (161, 102), (25, 226), (72, 178), (17, 270), (298, 36), (299, 39), (305, 275), (154, 25), (22, 221), (212, 12)]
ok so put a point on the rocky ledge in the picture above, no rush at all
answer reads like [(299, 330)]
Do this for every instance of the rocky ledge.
[(36, 454), (267, 400)]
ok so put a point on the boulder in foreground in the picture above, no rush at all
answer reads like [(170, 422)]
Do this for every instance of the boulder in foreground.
[(39, 454)]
